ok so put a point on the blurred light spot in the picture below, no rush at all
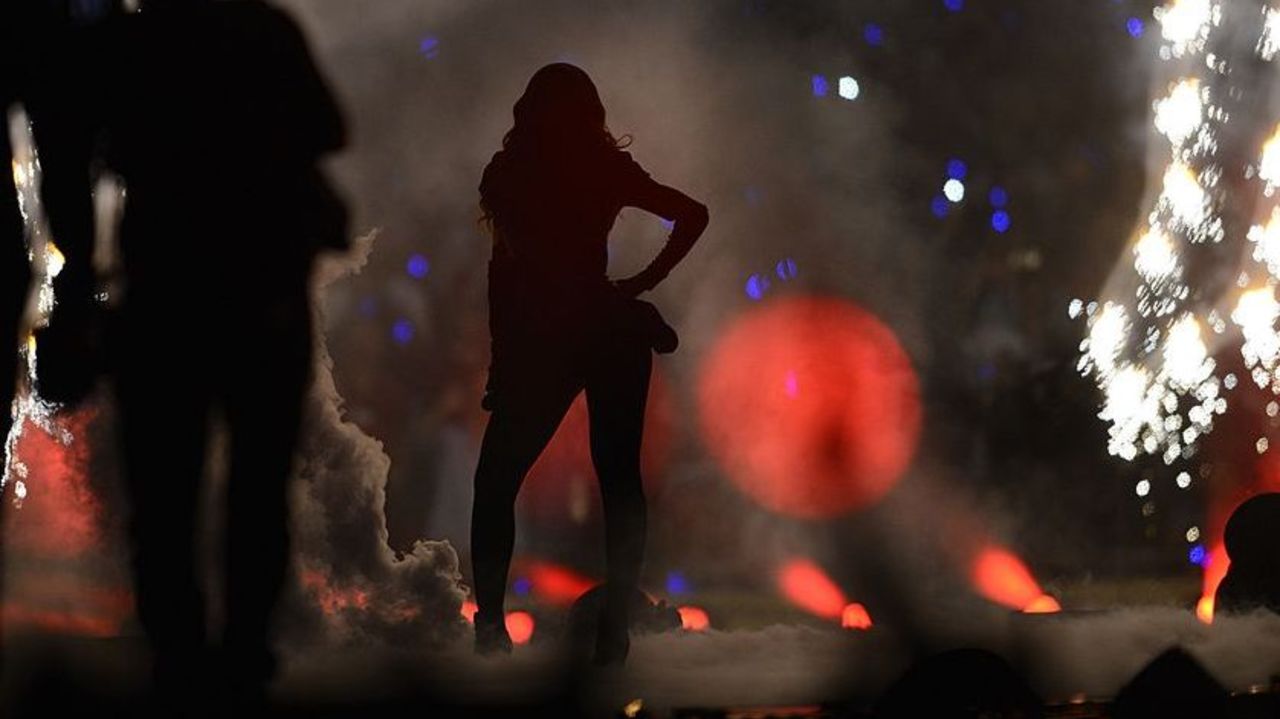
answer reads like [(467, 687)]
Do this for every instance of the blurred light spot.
[(954, 5), (953, 190), (677, 583), (522, 586), (998, 196), (819, 84), (429, 47), (1143, 488), (1043, 604), (469, 609), (849, 88), (1000, 221), (1262, 445), (633, 708), (1193, 535), (957, 169), (1184, 480), (1000, 576), (855, 616), (1197, 555), (520, 627), (1134, 26), (786, 269), (667, 225), (555, 584), (839, 445), (757, 285), (402, 331), (418, 267), (792, 384), (694, 619), (873, 34), (805, 585), (939, 206)]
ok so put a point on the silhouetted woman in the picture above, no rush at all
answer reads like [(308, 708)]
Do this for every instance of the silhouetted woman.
[(559, 326)]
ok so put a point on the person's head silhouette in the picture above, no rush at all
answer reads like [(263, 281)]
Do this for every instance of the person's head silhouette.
[(560, 106)]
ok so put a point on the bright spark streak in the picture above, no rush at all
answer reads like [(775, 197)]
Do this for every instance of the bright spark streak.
[(1256, 315), (1186, 361), (1267, 243), (1184, 196), (1155, 257), (1269, 44), (1269, 166), (1107, 337), (1179, 115), (1186, 23)]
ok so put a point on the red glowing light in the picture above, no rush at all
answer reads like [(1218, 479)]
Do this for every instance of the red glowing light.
[(553, 583), (520, 627), (1000, 576), (60, 515), (694, 619), (805, 585), (855, 616), (469, 610), (811, 406)]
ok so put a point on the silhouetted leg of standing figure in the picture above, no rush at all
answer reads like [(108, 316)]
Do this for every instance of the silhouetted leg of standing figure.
[(163, 425), (617, 390), (263, 409), (517, 432)]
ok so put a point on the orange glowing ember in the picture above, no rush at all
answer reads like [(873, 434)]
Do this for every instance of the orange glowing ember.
[(1043, 604), (1000, 576), (805, 585), (520, 627), (555, 584), (330, 598), (469, 610), (811, 406), (694, 619), (855, 616), (1215, 569)]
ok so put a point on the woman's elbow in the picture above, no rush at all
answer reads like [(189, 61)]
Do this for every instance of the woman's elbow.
[(696, 218)]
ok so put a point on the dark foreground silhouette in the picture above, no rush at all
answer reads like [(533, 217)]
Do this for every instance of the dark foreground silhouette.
[(559, 326), (1252, 539), (214, 116)]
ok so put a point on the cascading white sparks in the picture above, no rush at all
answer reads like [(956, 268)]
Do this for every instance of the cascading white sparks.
[(29, 408), (1180, 115), (1186, 24)]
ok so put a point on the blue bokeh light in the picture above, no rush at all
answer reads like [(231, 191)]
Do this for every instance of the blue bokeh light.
[(429, 47), (522, 586), (1197, 555), (677, 583), (940, 206), (998, 196), (786, 269), (1000, 221), (402, 331), (873, 34), (820, 86), (957, 169), (954, 5), (418, 267), (1134, 26), (757, 285)]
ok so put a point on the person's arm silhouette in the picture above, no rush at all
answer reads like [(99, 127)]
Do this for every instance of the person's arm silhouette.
[(689, 215)]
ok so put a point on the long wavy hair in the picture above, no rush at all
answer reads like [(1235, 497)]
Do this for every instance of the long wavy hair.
[(559, 115)]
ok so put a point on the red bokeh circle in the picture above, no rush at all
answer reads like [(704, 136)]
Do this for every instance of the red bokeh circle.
[(811, 406)]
